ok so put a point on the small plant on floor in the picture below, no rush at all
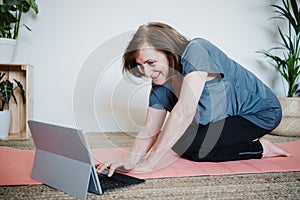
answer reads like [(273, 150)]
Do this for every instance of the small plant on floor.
[(288, 64), (7, 91)]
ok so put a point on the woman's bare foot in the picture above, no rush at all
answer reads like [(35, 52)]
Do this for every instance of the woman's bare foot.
[(272, 150)]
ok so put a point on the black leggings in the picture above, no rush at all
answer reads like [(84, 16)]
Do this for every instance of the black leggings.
[(233, 138)]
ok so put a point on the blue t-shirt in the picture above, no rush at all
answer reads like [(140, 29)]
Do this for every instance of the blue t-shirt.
[(235, 92)]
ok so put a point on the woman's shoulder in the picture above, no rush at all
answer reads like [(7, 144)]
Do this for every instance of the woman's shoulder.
[(199, 41), (198, 44)]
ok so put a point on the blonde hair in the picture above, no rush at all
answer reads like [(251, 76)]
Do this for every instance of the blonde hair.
[(163, 38)]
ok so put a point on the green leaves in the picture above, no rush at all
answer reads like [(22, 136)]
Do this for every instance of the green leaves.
[(7, 90), (21, 88), (11, 14), (6, 19), (289, 12), (32, 4), (22, 5), (288, 64)]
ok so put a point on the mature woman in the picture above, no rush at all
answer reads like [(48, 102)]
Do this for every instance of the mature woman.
[(219, 111)]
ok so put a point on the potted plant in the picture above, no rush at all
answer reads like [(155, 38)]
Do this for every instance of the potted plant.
[(7, 89), (285, 58), (10, 22)]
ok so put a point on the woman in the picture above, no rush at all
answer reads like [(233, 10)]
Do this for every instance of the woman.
[(219, 111)]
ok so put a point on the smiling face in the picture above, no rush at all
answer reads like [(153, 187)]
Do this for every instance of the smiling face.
[(153, 64)]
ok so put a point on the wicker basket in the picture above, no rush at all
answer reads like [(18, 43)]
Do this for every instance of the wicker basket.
[(290, 123)]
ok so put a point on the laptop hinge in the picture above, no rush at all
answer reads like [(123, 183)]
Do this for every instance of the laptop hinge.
[(94, 185)]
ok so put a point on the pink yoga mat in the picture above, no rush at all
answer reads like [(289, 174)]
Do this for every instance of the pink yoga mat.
[(16, 165)]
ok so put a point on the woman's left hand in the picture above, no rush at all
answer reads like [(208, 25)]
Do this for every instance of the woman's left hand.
[(154, 163)]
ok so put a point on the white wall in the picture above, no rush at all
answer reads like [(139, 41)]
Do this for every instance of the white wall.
[(68, 50)]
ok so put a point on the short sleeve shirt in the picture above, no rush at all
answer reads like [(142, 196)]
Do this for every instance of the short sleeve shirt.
[(235, 92)]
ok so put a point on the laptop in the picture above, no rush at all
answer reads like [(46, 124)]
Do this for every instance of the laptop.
[(63, 161)]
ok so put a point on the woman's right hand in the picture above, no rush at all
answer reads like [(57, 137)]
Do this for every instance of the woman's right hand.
[(123, 165)]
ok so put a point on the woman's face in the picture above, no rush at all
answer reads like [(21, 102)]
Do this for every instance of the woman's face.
[(153, 64)]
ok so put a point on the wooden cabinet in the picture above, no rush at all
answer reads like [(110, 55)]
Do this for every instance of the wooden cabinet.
[(20, 112)]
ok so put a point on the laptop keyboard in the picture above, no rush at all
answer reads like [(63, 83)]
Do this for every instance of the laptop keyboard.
[(109, 183), (117, 180)]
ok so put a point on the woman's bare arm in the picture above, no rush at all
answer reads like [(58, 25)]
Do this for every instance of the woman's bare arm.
[(143, 142), (147, 136), (180, 117)]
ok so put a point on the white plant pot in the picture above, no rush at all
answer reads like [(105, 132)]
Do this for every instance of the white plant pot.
[(7, 49), (4, 123)]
